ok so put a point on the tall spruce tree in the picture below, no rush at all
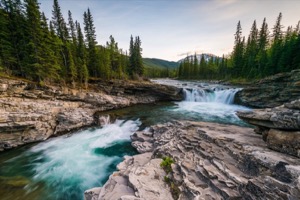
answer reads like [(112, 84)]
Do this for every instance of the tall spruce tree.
[(35, 68), (237, 56), (90, 35), (131, 66), (276, 47), (261, 57), (139, 60), (7, 58), (250, 69), (82, 71), (60, 26), (16, 27)]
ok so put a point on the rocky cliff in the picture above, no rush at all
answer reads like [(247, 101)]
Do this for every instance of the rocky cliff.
[(272, 91), (30, 113), (211, 161)]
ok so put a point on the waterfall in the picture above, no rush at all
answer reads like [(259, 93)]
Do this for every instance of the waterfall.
[(225, 96), (104, 120)]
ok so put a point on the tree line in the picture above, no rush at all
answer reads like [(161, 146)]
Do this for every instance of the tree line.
[(59, 50), (263, 54)]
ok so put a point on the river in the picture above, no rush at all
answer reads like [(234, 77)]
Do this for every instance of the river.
[(64, 167)]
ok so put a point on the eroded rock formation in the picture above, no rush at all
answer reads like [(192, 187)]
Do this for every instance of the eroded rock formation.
[(29, 113), (212, 161), (279, 127), (271, 91)]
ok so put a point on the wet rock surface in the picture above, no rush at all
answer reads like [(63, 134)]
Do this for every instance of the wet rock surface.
[(211, 161), (30, 113), (279, 126), (271, 91)]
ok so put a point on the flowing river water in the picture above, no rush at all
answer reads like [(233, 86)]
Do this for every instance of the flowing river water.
[(64, 167)]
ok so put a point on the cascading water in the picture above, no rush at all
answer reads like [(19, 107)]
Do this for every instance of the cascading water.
[(210, 104), (64, 167), (210, 95)]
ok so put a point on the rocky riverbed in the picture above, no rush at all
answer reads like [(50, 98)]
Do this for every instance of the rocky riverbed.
[(31, 113), (211, 161)]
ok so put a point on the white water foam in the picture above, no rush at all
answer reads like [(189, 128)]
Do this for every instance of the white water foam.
[(70, 163), (213, 95), (211, 105)]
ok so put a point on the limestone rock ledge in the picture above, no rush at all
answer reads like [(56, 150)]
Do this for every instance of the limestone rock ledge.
[(31, 113), (279, 126), (139, 178), (212, 161), (271, 91)]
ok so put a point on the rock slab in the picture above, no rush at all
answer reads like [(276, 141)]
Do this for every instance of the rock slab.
[(279, 126), (212, 161), (271, 91)]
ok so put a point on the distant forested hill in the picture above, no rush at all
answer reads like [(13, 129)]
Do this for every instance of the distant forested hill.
[(159, 63)]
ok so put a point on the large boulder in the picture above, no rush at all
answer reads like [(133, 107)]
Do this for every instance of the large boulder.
[(279, 126), (271, 91)]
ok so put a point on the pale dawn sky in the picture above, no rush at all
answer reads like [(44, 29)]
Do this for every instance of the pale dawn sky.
[(171, 29)]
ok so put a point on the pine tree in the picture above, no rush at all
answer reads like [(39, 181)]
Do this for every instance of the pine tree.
[(139, 59), (202, 70), (261, 57), (50, 64), (58, 21), (276, 47), (237, 56), (90, 35), (72, 28), (112, 47), (250, 69), (60, 26), (16, 28), (195, 66), (131, 66), (35, 62), (82, 71), (7, 58), (296, 49)]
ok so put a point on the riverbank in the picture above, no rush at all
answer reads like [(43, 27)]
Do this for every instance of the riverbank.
[(211, 161), (203, 160), (31, 113)]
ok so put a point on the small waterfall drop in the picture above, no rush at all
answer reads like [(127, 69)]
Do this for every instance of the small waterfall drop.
[(104, 120), (225, 96)]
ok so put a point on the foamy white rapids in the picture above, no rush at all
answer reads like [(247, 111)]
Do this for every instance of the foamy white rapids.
[(70, 163), (213, 95)]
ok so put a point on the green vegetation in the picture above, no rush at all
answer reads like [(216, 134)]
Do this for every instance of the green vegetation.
[(166, 165), (60, 51), (160, 68), (263, 54)]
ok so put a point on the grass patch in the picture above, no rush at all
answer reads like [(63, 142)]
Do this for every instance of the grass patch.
[(166, 165)]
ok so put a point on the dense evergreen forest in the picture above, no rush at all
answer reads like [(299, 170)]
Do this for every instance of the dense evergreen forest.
[(64, 51), (263, 54), (59, 50)]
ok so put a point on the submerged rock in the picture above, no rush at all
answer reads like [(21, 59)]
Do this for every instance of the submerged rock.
[(271, 91), (31, 113), (212, 161)]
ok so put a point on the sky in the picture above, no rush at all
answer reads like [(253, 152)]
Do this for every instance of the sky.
[(171, 29)]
